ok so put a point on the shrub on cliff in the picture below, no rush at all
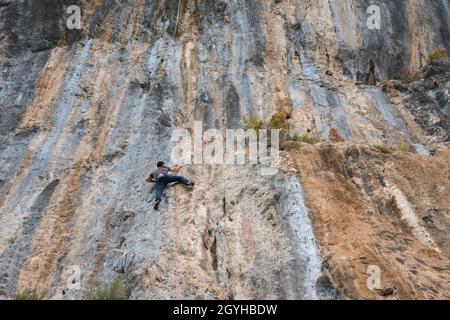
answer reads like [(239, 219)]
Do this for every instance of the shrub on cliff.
[(112, 291), (307, 138), (277, 121), (28, 295), (384, 148), (335, 136), (252, 123), (437, 55), (280, 121), (406, 77), (401, 147), (406, 147)]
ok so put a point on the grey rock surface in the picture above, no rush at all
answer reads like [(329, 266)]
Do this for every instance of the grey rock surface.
[(86, 114)]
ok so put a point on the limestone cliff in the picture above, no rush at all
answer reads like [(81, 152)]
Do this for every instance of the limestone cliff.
[(85, 115)]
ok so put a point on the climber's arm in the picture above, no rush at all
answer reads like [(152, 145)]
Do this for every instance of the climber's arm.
[(176, 169), (150, 179)]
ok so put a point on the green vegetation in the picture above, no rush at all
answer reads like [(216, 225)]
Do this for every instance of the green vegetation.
[(113, 291), (384, 148), (401, 147), (409, 77), (406, 147), (253, 123), (279, 120), (28, 295), (306, 138), (406, 77), (437, 55)]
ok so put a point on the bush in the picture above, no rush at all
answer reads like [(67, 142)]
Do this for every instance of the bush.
[(406, 77), (291, 144), (306, 138), (406, 147), (401, 147), (253, 123), (277, 121), (437, 55), (384, 148), (280, 121), (28, 295), (113, 291), (334, 136)]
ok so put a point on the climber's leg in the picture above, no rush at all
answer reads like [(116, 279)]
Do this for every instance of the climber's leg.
[(159, 192), (180, 179)]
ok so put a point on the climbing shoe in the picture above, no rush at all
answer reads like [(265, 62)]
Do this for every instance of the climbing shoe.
[(156, 206), (190, 184)]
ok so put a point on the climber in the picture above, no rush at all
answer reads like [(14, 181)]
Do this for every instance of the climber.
[(162, 177)]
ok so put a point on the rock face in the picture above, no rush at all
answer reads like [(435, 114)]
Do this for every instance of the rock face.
[(388, 211), (86, 114)]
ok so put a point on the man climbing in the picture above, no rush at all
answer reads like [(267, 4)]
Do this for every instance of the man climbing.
[(162, 177)]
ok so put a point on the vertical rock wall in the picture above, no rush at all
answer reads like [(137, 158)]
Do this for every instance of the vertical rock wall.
[(85, 115)]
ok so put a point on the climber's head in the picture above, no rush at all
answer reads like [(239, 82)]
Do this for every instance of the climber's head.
[(160, 164)]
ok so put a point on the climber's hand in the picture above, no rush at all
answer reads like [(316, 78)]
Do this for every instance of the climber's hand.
[(149, 179)]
